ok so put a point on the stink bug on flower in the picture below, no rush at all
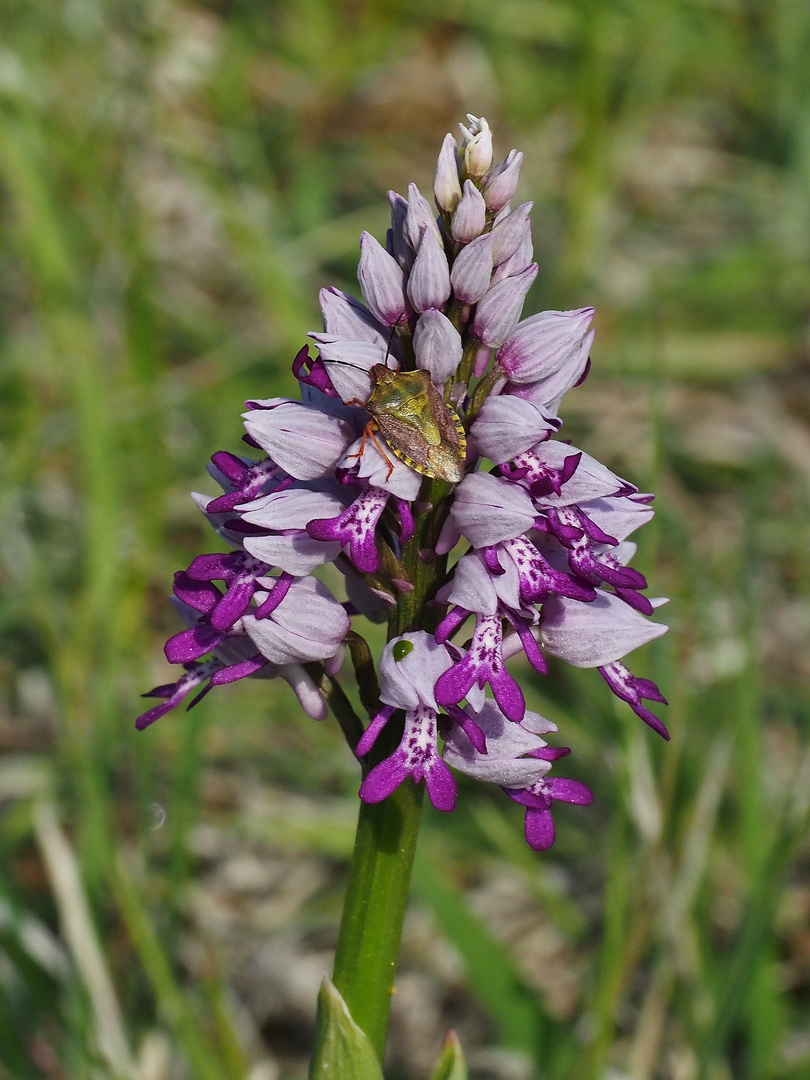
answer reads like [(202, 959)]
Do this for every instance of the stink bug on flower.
[(418, 426)]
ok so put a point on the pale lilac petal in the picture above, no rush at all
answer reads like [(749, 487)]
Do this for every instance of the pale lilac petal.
[(510, 233), (382, 282), (472, 587), (507, 426), (498, 312), (470, 215), (345, 317), (302, 440), (308, 694), (594, 634), (309, 624), (544, 343), (420, 216), (297, 553), (396, 239), (517, 262), (507, 742), (472, 270), (437, 345), (620, 515), (446, 186), (502, 184), (477, 147), (393, 476), (292, 508), (449, 536), (409, 681), (429, 280), (487, 509), (349, 364), (550, 391)]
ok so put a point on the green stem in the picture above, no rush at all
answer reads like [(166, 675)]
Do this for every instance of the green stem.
[(385, 843), (374, 908)]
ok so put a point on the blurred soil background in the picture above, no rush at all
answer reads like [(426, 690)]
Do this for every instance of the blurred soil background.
[(177, 181)]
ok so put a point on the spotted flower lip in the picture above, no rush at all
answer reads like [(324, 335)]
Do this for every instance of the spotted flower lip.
[(519, 551)]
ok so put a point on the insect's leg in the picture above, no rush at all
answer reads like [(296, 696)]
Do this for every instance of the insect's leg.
[(383, 454), (369, 428), (368, 433)]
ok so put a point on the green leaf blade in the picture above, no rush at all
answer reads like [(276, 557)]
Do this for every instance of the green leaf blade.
[(341, 1048), (451, 1064)]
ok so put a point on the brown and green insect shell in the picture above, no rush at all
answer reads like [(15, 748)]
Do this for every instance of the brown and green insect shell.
[(417, 424)]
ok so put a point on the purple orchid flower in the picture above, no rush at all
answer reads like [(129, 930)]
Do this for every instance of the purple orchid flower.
[(530, 547)]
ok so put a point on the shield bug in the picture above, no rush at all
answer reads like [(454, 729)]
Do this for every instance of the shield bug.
[(418, 426)]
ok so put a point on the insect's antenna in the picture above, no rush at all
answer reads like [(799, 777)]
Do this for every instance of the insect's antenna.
[(345, 363), (394, 329)]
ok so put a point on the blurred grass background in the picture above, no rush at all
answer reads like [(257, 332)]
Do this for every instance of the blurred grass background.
[(177, 180)]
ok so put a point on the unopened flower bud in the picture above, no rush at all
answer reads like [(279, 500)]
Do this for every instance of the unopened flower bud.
[(382, 281), (510, 232), (502, 185), (420, 214), (437, 345), (478, 147), (470, 216), (472, 270), (446, 186), (498, 312), (429, 281), (400, 248), (543, 343)]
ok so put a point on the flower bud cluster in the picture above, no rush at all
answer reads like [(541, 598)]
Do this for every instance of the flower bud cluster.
[(426, 425)]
